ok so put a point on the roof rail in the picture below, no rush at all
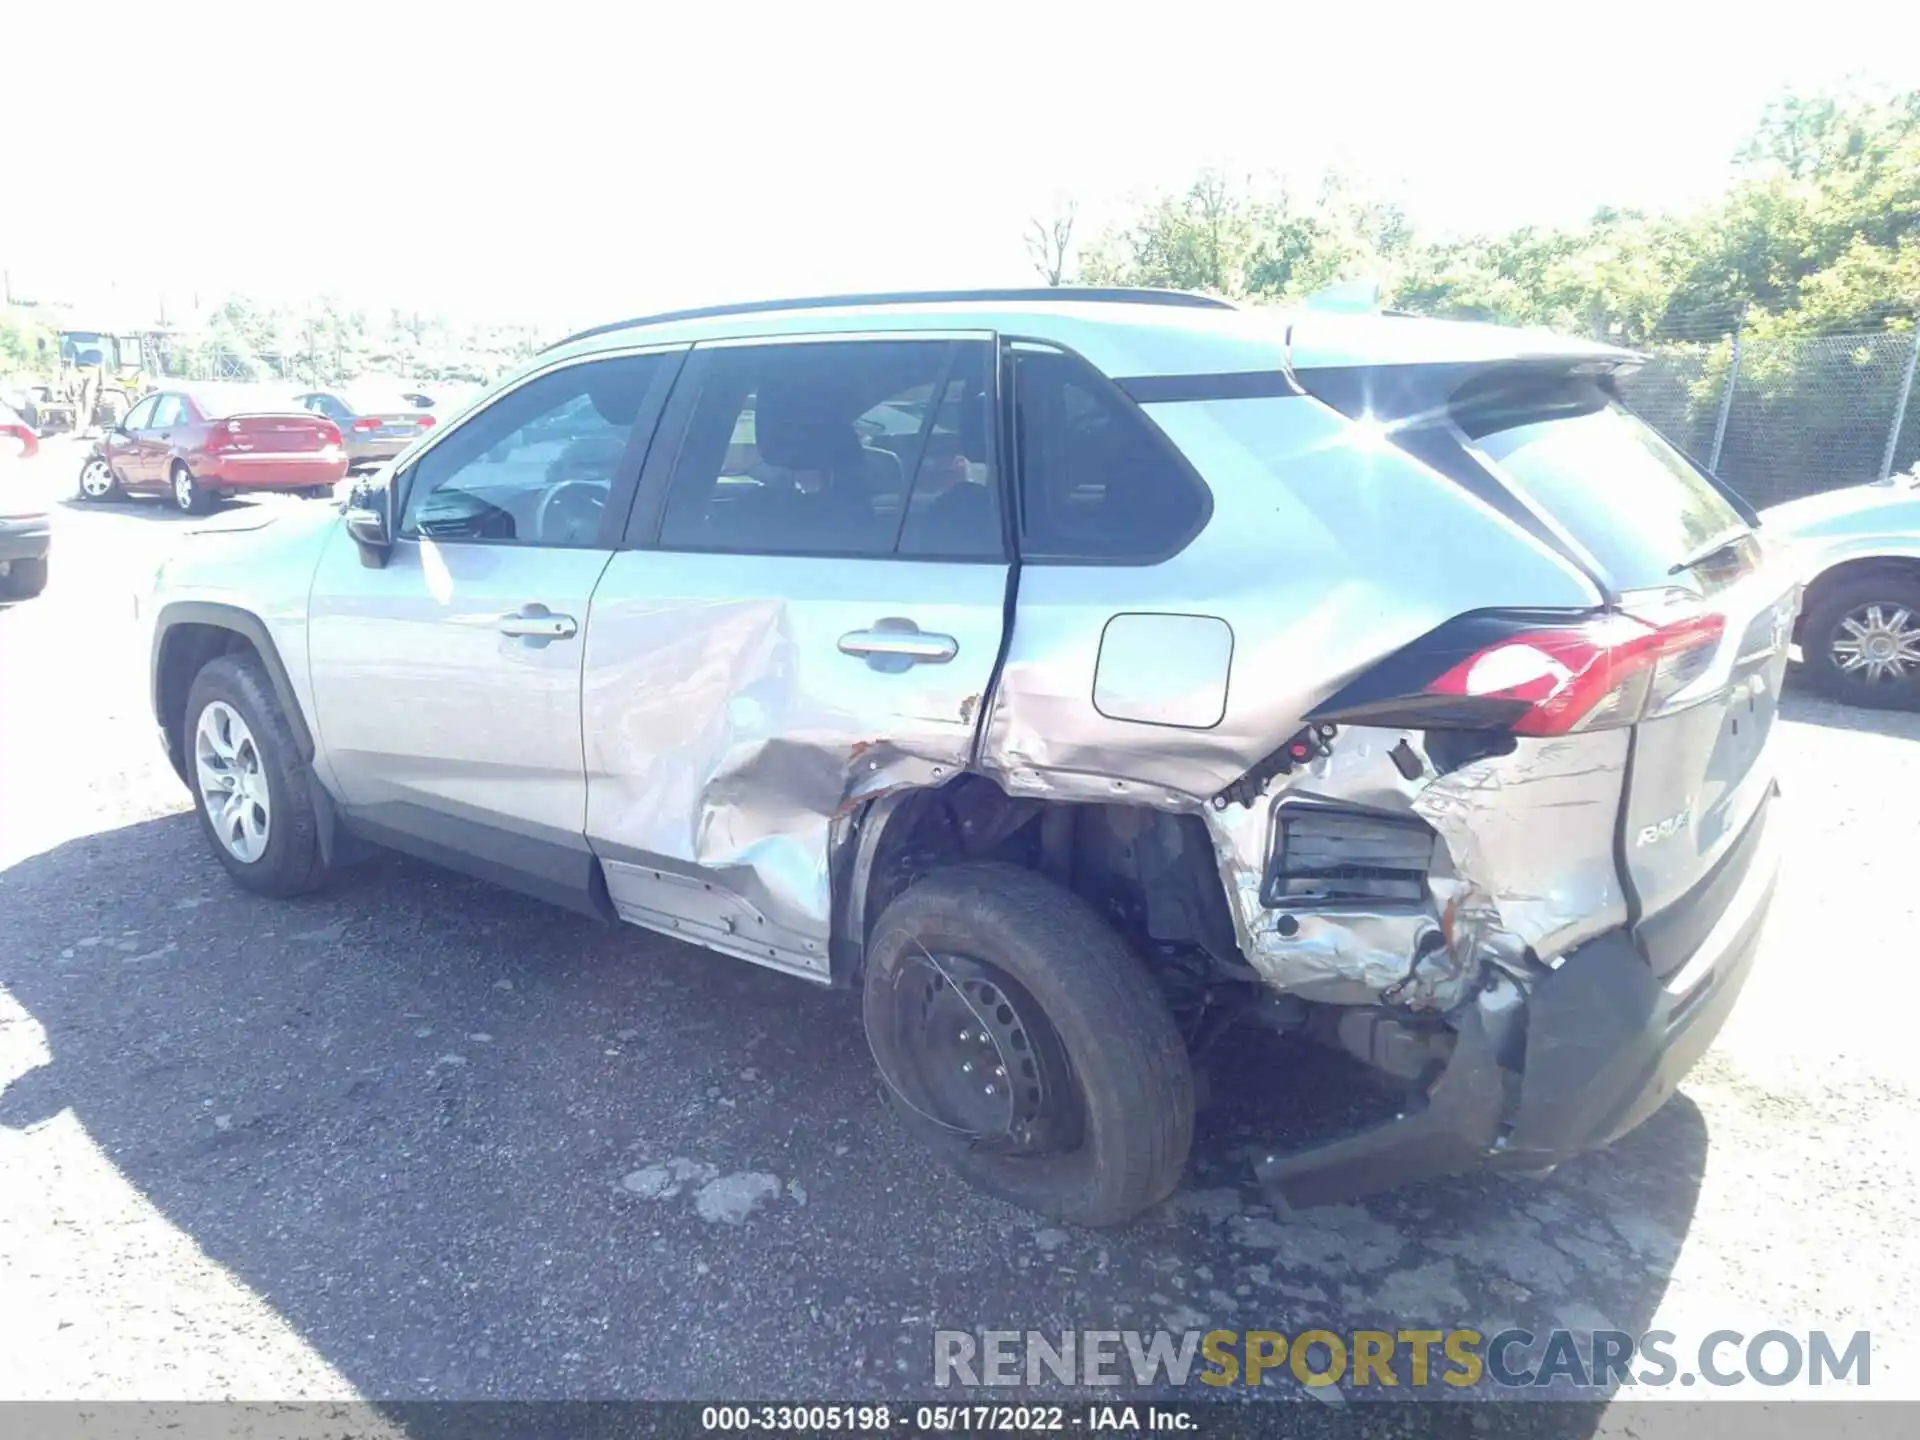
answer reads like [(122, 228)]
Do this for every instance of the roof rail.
[(1096, 294)]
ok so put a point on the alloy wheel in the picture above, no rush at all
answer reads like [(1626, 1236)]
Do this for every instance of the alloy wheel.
[(96, 480), (1878, 642), (233, 782)]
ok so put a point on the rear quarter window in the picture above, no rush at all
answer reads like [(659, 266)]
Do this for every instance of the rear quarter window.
[(1098, 481)]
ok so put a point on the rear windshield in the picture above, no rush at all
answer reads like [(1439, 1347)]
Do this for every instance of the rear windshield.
[(1637, 505), (378, 402)]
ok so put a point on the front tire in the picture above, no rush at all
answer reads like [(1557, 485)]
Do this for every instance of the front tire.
[(1086, 1100), (1861, 641), (249, 783), (189, 495), (97, 480)]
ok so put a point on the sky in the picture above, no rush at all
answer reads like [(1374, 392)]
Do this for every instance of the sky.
[(564, 163)]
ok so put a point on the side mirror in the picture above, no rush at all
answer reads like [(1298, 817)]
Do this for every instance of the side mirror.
[(370, 520)]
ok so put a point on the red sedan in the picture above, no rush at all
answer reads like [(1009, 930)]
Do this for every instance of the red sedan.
[(196, 444)]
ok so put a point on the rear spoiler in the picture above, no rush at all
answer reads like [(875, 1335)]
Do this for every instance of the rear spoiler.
[(1338, 339)]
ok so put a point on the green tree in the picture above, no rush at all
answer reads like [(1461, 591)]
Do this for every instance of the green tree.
[(1815, 233), (26, 342)]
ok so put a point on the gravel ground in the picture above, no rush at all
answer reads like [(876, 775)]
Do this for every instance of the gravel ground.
[(419, 1138)]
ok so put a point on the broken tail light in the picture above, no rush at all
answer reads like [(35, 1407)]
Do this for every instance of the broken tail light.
[(1514, 673)]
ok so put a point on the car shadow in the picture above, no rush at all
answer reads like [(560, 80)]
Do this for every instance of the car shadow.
[(156, 507), (468, 1146), (1801, 703)]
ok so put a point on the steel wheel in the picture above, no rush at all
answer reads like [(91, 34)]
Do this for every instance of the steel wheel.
[(1878, 643), (96, 479), (973, 1051), (233, 784)]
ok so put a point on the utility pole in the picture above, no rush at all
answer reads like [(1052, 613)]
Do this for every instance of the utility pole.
[(1900, 405)]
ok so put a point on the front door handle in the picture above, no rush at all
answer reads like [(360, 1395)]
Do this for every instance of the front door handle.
[(896, 644), (539, 623)]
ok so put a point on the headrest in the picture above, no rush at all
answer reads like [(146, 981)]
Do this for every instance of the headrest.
[(803, 426), (616, 392)]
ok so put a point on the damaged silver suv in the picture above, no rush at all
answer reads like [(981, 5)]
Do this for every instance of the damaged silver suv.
[(1077, 674)]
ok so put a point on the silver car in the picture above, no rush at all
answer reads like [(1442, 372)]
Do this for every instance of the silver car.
[(1077, 675), (1858, 550), (375, 424)]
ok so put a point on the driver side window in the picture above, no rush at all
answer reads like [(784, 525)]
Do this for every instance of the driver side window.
[(537, 465), (141, 416)]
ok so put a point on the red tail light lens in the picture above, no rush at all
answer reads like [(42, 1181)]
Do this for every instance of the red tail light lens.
[(366, 422), (1537, 672), (1602, 672), (425, 422)]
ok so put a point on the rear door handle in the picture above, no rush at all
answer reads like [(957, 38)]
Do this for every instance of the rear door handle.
[(897, 644), (536, 622)]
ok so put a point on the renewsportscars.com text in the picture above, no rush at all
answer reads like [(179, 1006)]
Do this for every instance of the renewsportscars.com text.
[(1410, 1359)]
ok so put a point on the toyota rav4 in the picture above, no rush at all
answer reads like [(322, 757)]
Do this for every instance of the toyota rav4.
[(1076, 674)]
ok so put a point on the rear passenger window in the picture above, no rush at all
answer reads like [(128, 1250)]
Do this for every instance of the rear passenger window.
[(1097, 480), (857, 448)]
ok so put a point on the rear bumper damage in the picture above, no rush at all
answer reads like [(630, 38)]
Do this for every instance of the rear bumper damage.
[(1545, 1068)]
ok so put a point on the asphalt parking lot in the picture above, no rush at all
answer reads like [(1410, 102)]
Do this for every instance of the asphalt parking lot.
[(415, 1137)]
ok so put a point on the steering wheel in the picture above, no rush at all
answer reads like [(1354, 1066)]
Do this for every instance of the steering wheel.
[(570, 513)]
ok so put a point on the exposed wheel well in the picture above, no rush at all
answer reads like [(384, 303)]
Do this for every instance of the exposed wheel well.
[(185, 650), (1150, 873)]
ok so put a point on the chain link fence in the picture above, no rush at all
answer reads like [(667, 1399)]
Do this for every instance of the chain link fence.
[(1781, 418)]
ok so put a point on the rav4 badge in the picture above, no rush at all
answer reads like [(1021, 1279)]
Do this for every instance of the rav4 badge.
[(1665, 829)]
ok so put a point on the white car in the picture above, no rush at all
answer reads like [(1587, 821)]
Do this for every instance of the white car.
[(1858, 551)]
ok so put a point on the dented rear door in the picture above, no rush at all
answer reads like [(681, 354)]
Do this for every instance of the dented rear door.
[(808, 613)]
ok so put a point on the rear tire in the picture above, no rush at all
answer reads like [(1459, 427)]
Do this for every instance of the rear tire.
[(291, 862), (1126, 1065), (189, 495), (24, 579), (1873, 624)]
